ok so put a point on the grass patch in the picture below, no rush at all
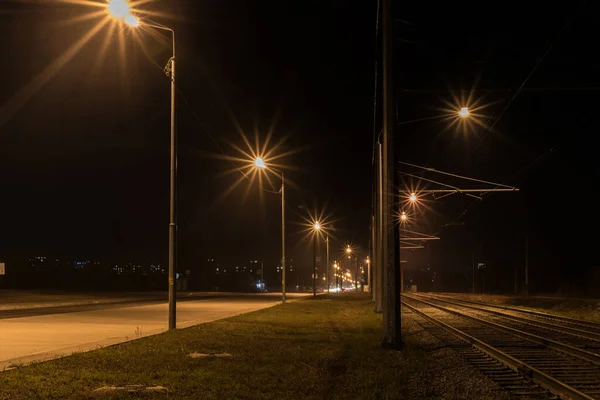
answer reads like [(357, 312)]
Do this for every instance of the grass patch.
[(323, 348)]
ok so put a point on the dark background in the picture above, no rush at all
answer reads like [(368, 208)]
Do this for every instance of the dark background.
[(84, 145)]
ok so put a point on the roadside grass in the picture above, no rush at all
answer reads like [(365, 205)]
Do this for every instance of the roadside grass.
[(323, 348), (586, 309)]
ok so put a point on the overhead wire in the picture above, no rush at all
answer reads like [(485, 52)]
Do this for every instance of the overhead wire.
[(376, 84), (488, 130)]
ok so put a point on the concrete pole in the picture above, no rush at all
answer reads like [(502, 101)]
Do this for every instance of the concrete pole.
[(392, 334)]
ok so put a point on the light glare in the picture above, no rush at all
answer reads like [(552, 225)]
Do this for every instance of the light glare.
[(317, 226), (118, 8), (260, 163), (464, 112), (413, 197), (132, 21)]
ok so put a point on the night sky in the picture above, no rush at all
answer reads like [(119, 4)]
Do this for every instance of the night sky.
[(84, 145)]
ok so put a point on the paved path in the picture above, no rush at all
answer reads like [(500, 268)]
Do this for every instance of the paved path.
[(47, 336)]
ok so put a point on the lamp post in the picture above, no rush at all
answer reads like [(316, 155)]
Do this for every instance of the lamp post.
[(350, 254), (259, 162), (120, 10), (327, 243), (316, 229)]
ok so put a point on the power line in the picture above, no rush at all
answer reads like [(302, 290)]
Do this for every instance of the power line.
[(535, 67), (376, 85)]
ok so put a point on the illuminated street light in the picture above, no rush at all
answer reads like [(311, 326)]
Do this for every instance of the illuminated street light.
[(132, 20), (403, 216), (412, 197), (316, 229), (350, 255), (259, 163), (121, 11), (464, 112)]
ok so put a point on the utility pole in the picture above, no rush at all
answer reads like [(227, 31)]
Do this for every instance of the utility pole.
[(392, 335), (379, 225), (526, 267), (262, 272)]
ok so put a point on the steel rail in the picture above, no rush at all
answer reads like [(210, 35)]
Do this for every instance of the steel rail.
[(540, 324), (544, 380), (549, 343), (575, 321)]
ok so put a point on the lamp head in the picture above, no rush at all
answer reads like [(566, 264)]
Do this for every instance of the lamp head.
[(259, 162)]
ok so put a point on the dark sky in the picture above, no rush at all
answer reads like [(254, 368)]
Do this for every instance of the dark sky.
[(84, 160), (84, 145)]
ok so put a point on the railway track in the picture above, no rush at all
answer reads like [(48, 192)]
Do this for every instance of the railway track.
[(555, 329), (577, 327), (530, 359)]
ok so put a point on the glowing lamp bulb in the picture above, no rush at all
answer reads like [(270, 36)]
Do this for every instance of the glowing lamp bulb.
[(464, 112), (403, 216), (317, 226), (131, 20), (412, 197), (259, 163)]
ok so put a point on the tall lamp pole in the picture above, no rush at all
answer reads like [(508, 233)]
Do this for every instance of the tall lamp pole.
[(316, 229), (282, 238), (121, 10), (314, 276), (327, 243), (259, 163), (351, 254), (172, 198)]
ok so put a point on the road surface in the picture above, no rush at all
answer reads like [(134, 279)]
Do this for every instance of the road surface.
[(47, 335)]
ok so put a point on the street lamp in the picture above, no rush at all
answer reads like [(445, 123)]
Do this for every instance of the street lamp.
[(464, 112), (403, 216), (350, 254), (412, 198), (260, 163), (316, 229), (368, 262), (121, 11)]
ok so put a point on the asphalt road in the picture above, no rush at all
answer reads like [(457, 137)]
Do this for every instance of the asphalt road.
[(53, 332)]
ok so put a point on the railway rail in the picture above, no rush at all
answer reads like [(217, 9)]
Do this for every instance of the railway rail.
[(529, 356)]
